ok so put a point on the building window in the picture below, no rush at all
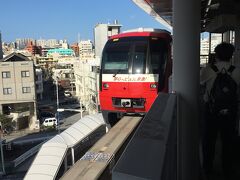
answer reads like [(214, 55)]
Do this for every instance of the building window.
[(26, 89), (25, 73), (7, 91), (67, 75), (6, 74)]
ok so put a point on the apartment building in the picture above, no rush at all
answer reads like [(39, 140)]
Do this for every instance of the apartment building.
[(22, 43), (46, 62), (17, 90), (63, 73), (86, 81), (75, 48), (86, 50), (33, 49)]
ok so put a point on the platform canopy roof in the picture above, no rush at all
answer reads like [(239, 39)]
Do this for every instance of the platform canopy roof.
[(52, 153), (216, 15)]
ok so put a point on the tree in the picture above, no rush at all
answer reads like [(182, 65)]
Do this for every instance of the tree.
[(5, 121)]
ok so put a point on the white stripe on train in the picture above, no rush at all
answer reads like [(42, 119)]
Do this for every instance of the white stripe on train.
[(130, 78)]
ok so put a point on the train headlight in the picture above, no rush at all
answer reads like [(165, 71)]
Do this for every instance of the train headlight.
[(153, 86), (105, 85)]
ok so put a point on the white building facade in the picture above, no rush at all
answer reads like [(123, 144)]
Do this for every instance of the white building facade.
[(87, 83), (39, 83), (86, 50)]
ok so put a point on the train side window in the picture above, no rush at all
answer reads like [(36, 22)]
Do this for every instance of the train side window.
[(158, 59), (139, 58)]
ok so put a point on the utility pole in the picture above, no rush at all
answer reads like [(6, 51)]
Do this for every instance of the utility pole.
[(81, 110), (96, 83), (58, 123)]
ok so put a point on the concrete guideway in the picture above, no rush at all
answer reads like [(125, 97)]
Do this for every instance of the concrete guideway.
[(103, 153)]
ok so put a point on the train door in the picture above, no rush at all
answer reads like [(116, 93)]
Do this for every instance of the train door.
[(158, 63), (137, 74)]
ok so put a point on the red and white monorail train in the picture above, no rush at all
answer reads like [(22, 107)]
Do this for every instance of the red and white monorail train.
[(135, 67)]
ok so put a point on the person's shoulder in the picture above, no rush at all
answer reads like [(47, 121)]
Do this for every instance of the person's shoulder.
[(236, 73), (206, 74), (236, 69)]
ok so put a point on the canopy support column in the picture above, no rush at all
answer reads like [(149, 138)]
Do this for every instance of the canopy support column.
[(73, 159), (65, 164), (237, 42), (186, 65)]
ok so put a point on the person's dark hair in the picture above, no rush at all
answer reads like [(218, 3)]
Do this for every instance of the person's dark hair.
[(224, 51)]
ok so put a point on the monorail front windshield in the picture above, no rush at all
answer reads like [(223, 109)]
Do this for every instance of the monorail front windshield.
[(134, 55)]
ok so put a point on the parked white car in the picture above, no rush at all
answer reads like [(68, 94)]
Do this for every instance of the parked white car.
[(67, 94), (48, 122)]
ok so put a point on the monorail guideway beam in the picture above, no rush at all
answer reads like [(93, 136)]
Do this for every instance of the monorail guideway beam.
[(151, 152)]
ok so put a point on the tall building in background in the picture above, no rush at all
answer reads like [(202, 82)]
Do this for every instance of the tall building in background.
[(75, 48), (86, 50), (101, 34), (22, 43), (1, 51), (52, 43), (33, 49), (207, 47), (41, 42), (64, 44)]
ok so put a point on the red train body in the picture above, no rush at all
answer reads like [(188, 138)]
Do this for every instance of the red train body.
[(135, 67)]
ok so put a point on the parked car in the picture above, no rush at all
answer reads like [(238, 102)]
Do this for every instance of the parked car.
[(48, 122), (45, 115), (67, 93)]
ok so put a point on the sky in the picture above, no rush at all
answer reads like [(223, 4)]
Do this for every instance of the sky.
[(65, 19)]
